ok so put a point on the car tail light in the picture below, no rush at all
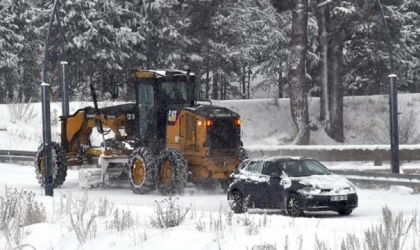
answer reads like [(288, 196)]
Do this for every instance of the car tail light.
[(238, 122), (209, 123)]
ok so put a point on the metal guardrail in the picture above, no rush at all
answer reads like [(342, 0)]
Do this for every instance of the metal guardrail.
[(321, 153), (16, 156), (339, 153), (381, 178), (357, 176)]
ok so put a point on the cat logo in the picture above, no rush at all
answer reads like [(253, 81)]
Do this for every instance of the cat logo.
[(172, 115)]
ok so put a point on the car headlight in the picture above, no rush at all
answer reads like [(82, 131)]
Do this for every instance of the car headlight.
[(352, 187), (311, 190)]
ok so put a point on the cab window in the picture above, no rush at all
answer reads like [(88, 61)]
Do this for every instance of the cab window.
[(146, 109), (174, 92)]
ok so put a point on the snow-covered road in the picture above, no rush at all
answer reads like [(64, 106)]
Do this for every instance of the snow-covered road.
[(328, 227), (23, 177)]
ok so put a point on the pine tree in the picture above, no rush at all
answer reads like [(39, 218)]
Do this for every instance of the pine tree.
[(10, 47), (297, 75)]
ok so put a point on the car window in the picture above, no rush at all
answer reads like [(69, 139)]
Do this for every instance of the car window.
[(243, 164), (295, 169), (271, 167), (248, 168), (254, 167), (315, 167), (305, 168)]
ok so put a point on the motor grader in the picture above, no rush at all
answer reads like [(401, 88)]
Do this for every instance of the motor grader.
[(161, 141)]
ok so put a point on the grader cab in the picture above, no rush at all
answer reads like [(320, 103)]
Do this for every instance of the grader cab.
[(161, 141)]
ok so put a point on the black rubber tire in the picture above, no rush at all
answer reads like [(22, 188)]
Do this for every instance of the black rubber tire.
[(239, 204), (179, 172), (146, 156), (345, 212), (59, 165), (293, 206)]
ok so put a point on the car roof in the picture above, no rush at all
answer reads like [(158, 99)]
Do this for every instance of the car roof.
[(282, 158)]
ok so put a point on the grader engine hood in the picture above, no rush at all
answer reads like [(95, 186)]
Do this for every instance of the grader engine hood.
[(211, 112), (223, 127)]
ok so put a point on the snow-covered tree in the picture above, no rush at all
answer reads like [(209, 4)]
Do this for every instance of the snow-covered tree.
[(335, 20), (297, 75), (273, 46), (19, 51), (10, 47)]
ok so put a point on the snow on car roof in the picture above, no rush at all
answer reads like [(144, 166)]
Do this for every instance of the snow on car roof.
[(281, 157)]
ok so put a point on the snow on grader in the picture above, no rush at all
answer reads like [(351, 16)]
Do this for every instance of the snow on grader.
[(162, 140)]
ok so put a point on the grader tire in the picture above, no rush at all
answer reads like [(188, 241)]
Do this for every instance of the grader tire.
[(142, 171), (59, 165), (172, 172)]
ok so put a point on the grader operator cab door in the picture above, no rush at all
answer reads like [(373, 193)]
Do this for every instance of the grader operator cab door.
[(146, 122)]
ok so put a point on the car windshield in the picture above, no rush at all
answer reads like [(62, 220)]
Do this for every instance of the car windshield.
[(299, 168)]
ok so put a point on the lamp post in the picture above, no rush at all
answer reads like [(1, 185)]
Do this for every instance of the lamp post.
[(393, 102), (45, 91)]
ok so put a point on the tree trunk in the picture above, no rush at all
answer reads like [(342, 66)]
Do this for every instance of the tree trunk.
[(335, 126), (280, 90), (298, 90), (222, 86), (248, 95), (207, 94), (331, 44), (244, 80), (225, 89), (215, 88), (198, 85), (322, 15)]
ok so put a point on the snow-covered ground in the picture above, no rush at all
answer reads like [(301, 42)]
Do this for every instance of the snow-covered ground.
[(207, 223), (265, 122)]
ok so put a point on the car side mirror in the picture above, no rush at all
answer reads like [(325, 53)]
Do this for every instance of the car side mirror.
[(275, 176), (115, 91)]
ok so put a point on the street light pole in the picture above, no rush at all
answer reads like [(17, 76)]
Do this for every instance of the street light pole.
[(46, 115), (45, 91), (393, 99)]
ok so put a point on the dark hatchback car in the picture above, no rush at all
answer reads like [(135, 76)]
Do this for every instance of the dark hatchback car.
[(292, 184)]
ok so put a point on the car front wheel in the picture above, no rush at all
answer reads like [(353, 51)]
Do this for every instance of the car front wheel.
[(239, 204), (345, 211), (293, 206)]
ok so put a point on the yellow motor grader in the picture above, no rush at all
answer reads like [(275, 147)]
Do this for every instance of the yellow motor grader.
[(163, 140)]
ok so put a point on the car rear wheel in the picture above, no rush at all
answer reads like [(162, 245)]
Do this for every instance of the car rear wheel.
[(293, 206), (239, 203), (345, 211)]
